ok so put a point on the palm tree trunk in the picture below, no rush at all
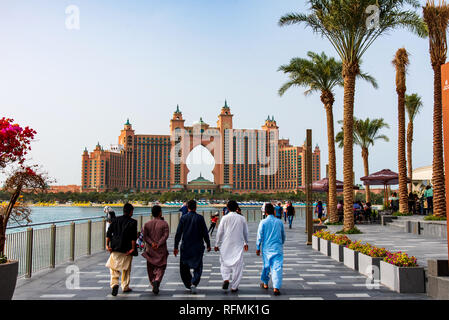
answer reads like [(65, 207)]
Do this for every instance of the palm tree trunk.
[(401, 61), (350, 72), (366, 168), (439, 198), (402, 162), (409, 154), (333, 216)]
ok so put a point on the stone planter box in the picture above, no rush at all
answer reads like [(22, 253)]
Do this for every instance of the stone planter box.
[(337, 252), (325, 247), (369, 266), (402, 279), (8, 279), (315, 243), (351, 258)]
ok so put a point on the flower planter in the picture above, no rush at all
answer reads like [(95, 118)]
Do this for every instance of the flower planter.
[(402, 279), (351, 258), (369, 266), (8, 279), (325, 247), (337, 252), (315, 243)]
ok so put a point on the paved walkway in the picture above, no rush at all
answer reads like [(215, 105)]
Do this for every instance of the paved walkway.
[(308, 275), (395, 240)]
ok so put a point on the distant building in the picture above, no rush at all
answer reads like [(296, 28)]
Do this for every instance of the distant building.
[(68, 188), (142, 162)]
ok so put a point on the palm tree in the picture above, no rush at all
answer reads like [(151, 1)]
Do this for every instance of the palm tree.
[(413, 105), (351, 31), (321, 74), (401, 62), (437, 18), (365, 133)]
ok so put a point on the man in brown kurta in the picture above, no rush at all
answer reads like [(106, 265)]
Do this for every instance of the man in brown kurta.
[(155, 235)]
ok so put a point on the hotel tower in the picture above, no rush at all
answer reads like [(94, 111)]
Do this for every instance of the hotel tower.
[(246, 160)]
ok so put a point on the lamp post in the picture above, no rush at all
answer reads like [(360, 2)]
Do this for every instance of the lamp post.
[(308, 181)]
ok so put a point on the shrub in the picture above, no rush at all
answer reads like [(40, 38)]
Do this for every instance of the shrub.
[(329, 236), (356, 246), (434, 218), (3, 259), (351, 231), (342, 240), (334, 223), (374, 252), (399, 214), (400, 259), (320, 233)]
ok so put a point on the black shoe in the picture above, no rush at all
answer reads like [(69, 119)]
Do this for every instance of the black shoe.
[(114, 290), (234, 290), (225, 285), (277, 293), (156, 287)]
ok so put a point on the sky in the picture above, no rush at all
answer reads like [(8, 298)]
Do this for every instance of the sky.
[(139, 59)]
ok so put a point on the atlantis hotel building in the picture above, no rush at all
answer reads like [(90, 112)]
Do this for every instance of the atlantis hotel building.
[(142, 162)]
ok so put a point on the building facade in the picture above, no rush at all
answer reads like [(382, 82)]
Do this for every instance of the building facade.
[(246, 160)]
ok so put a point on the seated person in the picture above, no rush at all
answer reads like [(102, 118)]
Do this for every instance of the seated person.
[(367, 211), (357, 210), (340, 211), (394, 202)]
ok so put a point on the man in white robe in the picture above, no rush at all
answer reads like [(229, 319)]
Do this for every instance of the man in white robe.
[(232, 241)]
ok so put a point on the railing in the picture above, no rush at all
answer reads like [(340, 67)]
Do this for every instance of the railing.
[(38, 249)]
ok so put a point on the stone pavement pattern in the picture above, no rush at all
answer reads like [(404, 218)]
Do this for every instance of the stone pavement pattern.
[(308, 275)]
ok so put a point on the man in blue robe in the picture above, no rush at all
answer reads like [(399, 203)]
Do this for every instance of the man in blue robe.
[(193, 231), (270, 240)]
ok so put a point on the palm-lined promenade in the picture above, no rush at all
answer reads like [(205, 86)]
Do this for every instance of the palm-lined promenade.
[(248, 162), (308, 275)]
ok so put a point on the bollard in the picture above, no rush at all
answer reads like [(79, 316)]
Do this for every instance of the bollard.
[(89, 237), (53, 246), (72, 241), (29, 253), (141, 223)]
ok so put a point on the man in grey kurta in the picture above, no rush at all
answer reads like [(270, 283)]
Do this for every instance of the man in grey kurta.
[(155, 235)]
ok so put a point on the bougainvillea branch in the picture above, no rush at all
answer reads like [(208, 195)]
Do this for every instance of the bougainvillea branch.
[(14, 142)]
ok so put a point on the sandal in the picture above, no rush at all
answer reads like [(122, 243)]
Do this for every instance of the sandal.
[(264, 286)]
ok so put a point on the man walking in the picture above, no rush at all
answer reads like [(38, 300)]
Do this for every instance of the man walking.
[(290, 213), (279, 210), (232, 241), (155, 235), (192, 230), (270, 240), (121, 243)]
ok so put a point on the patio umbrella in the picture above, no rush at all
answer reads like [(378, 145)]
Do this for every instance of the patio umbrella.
[(384, 178), (323, 185)]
